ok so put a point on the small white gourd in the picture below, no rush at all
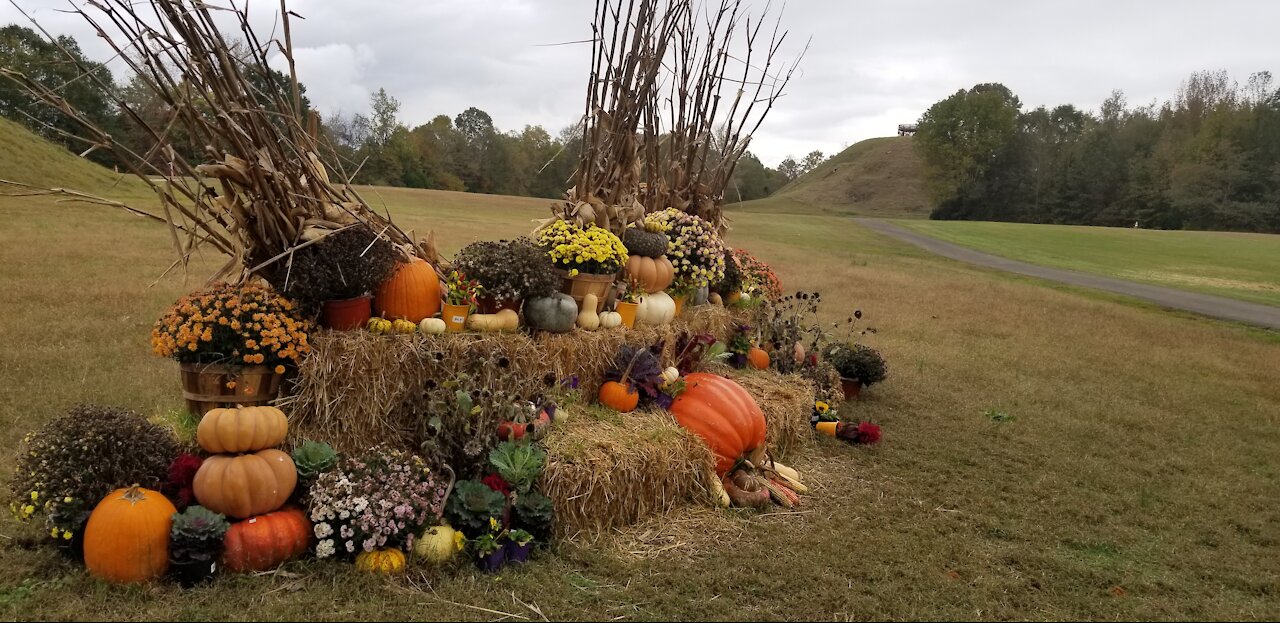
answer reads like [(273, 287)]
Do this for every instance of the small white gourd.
[(609, 320), (432, 326)]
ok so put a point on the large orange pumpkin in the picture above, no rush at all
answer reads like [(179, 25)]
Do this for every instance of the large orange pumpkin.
[(242, 429), (247, 484), (653, 275), (127, 537), (413, 293), (724, 415), (264, 542)]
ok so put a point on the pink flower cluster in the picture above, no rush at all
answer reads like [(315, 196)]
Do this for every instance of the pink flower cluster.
[(379, 500)]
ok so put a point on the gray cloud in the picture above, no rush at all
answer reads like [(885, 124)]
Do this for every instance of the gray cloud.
[(871, 66)]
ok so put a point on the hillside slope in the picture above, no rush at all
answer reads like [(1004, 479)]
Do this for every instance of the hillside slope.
[(879, 177), (28, 158)]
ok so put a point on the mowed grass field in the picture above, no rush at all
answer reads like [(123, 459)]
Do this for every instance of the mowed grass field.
[(1237, 265), (1136, 476)]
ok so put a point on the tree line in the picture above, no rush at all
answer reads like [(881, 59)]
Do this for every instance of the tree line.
[(1208, 158), (466, 152)]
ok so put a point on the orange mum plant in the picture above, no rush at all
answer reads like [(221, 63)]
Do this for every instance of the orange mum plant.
[(247, 325)]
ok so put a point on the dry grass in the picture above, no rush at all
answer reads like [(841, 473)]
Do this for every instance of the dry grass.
[(1137, 479)]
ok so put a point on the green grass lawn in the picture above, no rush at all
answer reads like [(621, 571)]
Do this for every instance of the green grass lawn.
[(1237, 265)]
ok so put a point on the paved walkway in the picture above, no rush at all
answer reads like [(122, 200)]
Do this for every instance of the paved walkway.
[(1204, 304)]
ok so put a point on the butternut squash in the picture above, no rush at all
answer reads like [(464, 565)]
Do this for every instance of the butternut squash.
[(506, 320), (588, 319)]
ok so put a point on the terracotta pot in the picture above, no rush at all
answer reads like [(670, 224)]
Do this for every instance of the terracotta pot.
[(732, 298), (455, 317), (679, 300), (851, 387), (628, 313), (587, 283), (348, 314), (204, 386), (486, 305)]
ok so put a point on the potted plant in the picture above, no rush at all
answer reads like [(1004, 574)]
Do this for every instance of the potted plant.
[(490, 548), (195, 543), (534, 513), (336, 275), (588, 258), (681, 290), (629, 294), (519, 464), (519, 544), (472, 505), (460, 296), (509, 271), (696, 251), (232, 344), (756, 277), (859, 366)]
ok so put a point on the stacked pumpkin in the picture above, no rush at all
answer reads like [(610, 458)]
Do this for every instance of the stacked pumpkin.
[(248, 478)]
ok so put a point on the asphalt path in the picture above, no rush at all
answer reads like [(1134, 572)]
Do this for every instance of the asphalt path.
[(1204, 304)]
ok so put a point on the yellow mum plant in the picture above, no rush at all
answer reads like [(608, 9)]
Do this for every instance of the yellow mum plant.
[(592, 250)]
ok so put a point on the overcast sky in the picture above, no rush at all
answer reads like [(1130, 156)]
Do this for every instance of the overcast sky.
[(871, 65)]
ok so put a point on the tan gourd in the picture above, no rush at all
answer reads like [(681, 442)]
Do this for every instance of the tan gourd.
[(588, 319), (504, 321), (241, 429)]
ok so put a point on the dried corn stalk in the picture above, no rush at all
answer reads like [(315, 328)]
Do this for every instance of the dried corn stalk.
[(263, 189)]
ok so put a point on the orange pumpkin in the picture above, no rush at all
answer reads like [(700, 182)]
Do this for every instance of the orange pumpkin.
[(413, 293), (724, 415), (247, 484), (758, 358), (266, 541), (619, 396), (127, 537), (653, 275), (242, 429)]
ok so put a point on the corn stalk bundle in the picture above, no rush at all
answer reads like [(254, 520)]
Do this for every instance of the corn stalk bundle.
[(712, 107), (629, 44), (262, 189)]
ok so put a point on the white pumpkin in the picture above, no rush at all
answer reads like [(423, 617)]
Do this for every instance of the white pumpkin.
[(439, 544), (656, 309), (670, 375), (609, 320), (433, 326)]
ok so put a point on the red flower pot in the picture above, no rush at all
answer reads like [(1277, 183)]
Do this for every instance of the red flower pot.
[(851, 387), (347, 315)]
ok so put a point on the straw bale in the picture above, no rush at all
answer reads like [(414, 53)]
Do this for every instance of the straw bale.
[(607, 470), (787, 402)]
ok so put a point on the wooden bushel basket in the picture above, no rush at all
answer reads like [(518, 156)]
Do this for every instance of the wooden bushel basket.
[(204, 386)]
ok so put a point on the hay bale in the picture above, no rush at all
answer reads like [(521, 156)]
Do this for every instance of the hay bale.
[(787, 402), (356, 390), (607, 470)]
